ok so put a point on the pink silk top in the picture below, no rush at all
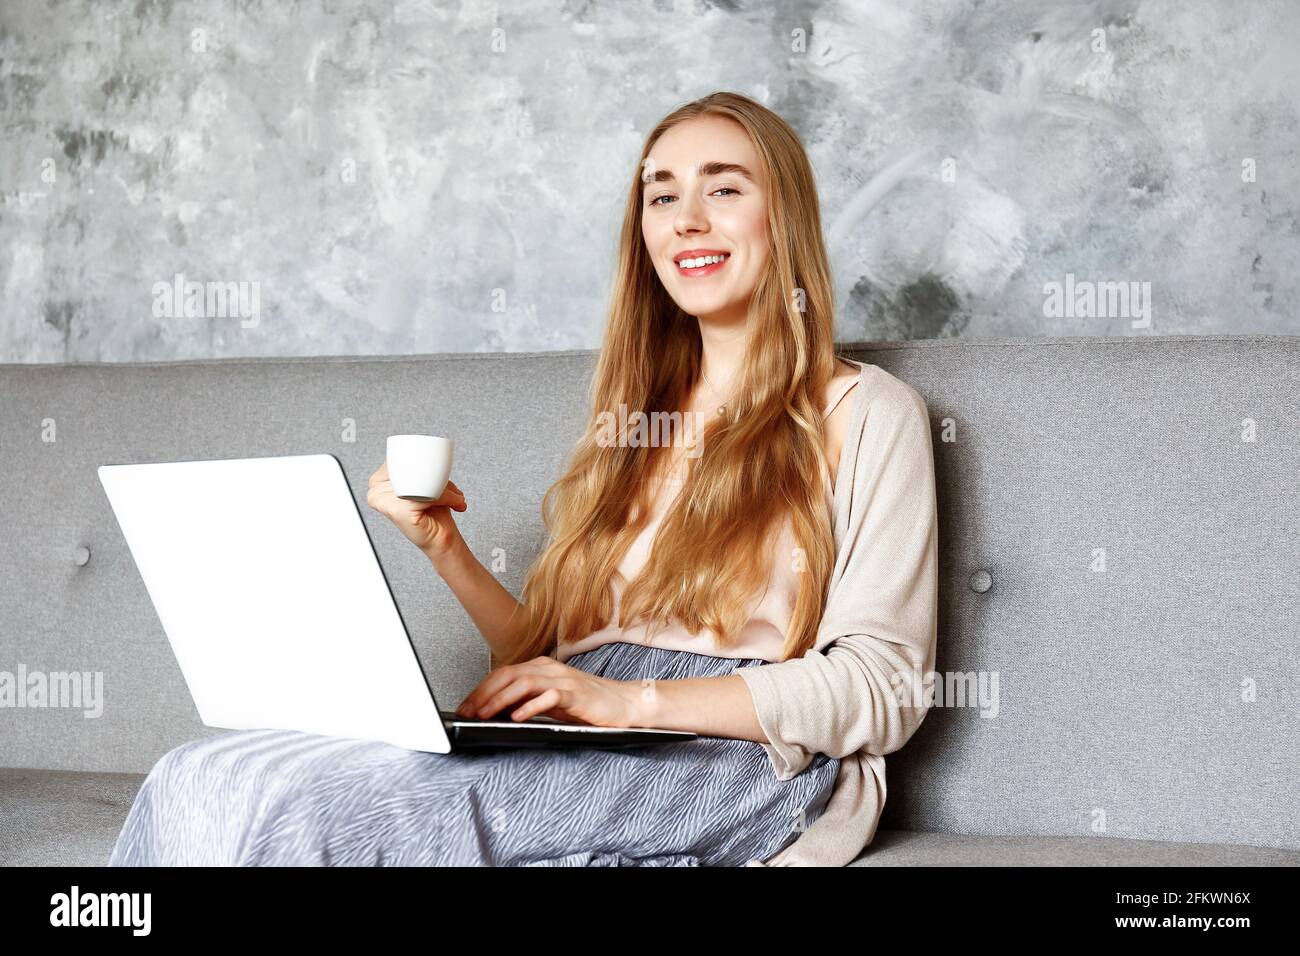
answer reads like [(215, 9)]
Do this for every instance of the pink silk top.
[(763, 635)]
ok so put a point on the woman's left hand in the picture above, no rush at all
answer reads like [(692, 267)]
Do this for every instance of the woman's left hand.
[(544, 686)]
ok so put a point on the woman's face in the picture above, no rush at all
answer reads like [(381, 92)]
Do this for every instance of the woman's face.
[(702, 193)]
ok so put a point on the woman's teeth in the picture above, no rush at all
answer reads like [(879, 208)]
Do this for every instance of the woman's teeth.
[(702, 261)]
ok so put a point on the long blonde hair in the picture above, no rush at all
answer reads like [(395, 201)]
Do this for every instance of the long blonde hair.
[(713, 551)]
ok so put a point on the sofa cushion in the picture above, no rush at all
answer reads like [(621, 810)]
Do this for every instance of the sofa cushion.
[(914, 848), (62, 818)]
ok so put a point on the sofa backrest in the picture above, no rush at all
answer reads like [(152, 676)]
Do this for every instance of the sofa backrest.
[(1118, 558)]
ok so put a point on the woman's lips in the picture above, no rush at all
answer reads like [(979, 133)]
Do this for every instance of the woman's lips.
[(703, 270)]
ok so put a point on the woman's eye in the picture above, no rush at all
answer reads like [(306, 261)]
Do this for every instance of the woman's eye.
[(655, 201)]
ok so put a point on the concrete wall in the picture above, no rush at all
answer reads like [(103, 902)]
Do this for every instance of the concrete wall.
[(419, 177)]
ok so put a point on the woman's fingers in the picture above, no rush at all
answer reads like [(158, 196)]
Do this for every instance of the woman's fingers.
[(538, 705), (494, 693), (488, 686), (514, 692), (491, 692), (452, 497)]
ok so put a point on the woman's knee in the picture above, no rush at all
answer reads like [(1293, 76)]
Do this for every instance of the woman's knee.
[(177, 758)]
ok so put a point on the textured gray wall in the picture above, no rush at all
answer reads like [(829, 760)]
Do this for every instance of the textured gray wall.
[(423, 177)]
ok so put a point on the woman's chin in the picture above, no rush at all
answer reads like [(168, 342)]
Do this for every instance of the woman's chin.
[(705, 305)]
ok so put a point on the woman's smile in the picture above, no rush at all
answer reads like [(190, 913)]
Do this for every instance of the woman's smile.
[(693, 266)]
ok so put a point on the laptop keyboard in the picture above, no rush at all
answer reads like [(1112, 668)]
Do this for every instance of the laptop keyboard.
[(504, 716)]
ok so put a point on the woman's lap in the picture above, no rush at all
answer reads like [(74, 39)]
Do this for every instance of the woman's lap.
[(269, 797)]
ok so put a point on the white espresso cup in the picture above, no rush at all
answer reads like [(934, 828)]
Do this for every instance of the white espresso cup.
[(419, 466)]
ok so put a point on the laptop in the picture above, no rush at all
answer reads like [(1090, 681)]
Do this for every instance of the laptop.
[(280, 615)]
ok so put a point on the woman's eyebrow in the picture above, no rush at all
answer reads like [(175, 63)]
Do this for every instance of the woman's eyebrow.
[(706, 169)]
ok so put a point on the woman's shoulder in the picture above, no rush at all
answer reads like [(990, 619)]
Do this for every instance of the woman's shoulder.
[(891, 434), (842, 383), (886, 393), (839, 410), (844, 372)]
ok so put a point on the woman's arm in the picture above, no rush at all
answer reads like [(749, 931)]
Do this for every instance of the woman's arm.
[(712, 706), (494, 610), (431, 528), (862, 686)]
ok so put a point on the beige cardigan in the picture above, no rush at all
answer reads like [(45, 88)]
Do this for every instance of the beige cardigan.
[(847, 696)]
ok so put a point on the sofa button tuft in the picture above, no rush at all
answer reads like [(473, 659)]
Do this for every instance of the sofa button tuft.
[(81, 556), (981, 581)]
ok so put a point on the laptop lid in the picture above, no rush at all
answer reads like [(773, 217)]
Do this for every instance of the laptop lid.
[(271, 595)]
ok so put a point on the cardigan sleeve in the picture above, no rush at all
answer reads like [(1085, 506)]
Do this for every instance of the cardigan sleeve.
[(860, 687)]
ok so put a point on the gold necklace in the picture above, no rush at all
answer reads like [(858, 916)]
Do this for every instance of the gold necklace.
[(722, 409)]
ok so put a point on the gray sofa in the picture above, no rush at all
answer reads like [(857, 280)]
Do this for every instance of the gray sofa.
[(1114, 550)]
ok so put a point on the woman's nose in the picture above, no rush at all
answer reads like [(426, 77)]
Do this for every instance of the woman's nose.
[(690, 217)]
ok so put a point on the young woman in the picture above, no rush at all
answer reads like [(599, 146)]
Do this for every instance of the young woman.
[(762, 589)]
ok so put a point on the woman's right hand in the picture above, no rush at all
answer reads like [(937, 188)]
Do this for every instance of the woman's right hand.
[(428, 524)]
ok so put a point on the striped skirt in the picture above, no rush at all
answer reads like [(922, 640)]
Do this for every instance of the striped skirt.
[(286, 798)]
